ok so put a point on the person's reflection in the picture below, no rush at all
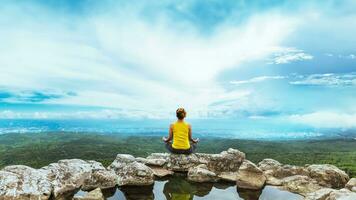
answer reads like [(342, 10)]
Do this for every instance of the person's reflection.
[(178, 188), (249, 194), (138, 192)]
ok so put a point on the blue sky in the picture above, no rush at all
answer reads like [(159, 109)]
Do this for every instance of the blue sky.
[(283, 61)]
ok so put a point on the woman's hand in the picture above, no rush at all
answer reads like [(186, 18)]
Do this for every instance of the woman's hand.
[(195, 140), (164, 139)]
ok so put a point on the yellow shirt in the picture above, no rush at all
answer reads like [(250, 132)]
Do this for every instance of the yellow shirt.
[(181, 135)]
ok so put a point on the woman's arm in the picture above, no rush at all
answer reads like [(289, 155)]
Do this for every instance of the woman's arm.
[(170, 136), (190, 135)]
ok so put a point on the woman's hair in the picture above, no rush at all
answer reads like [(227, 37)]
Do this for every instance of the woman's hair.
[(181, 113)]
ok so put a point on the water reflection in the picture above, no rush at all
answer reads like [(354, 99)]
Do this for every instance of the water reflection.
[(178, 188)]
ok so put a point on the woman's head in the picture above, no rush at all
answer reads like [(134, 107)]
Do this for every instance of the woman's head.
[(181, 113)]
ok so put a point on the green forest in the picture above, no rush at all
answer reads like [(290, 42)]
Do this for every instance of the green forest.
[(40, 149)]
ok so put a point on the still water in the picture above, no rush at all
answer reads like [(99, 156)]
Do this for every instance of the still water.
[(178, 188)]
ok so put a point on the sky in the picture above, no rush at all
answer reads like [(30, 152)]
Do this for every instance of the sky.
[(282, 61)]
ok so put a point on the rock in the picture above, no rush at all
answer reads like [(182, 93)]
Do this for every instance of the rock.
[(156, 162), (201, 174), (92, 195), (161, 172), (342, 195), (351, 185), (300, 184), (141, 160), (321, 194), (328, 175), (181, 162), (290, 170), (131, 172), (228, 176), (249, 176), (67, 176), (269, 164), (25, 183), (274, 169), (271, 180), (100, 177), (226, 161)]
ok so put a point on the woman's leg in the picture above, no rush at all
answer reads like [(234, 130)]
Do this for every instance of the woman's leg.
[(169, 147)]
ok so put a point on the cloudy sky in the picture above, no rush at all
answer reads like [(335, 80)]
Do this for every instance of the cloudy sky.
[(280, 60)]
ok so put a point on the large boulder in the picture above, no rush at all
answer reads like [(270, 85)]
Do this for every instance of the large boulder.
[(131, 172), (161, 172), (100, 177), (328, 175), (269, 164), (342, 194), (300, 184), (68, 176), (226, 161), (201, 174), (249, 176), (321, 194), (25, 183), (274, 169), (351, 185)]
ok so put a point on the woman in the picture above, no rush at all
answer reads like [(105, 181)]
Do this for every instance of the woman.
[(181, 133)]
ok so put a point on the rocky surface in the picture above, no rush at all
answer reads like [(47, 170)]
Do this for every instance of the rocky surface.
[(300, 184), (22, 182), (92, 195), (303, 179), (63, 179), (249, 176), (131, 172), (351, 185), (328, 175), (201, 174)]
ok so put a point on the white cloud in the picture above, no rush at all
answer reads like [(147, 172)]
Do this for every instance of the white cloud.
[(121, 60), (325, 119), (257, 79), (328, 79), (350, 56), (288, 55)]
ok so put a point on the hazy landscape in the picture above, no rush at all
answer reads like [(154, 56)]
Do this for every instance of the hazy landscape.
[(40, 149)]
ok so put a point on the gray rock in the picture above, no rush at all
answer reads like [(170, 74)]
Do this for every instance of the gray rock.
[(92, 195), (328, 175), (300, 184), (228, 176), (201, 174), (67, 176), (131, 172), (342, 194), (25, 183), (160, 171), (155, 162), (100, 177), (322, 194), (351, 185), (269, 164), (141, 160), (226, 161), (249, 176)]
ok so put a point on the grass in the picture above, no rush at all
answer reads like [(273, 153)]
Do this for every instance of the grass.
[(40, 149)]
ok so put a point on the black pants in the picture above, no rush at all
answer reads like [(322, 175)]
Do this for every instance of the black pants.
[(181, 151)]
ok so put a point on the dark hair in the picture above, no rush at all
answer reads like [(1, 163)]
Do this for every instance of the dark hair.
[(181, 113)]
